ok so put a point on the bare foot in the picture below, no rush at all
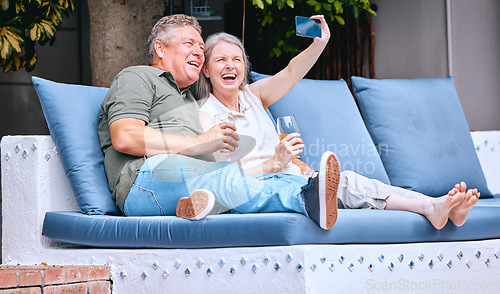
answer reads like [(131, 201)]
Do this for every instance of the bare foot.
[(458, 215), (440, 208)]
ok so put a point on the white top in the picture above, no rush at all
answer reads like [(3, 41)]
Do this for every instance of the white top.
[(258, 137)]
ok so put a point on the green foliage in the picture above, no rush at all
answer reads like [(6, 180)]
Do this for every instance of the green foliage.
[(23, 23), (278, 17)]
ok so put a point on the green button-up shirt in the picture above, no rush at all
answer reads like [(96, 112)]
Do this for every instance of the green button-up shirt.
[(151, 95)]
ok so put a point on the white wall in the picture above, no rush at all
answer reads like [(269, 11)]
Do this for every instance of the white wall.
[(66, 61), (475, 30), (412, 41)]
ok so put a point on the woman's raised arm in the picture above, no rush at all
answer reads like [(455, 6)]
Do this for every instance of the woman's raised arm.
[(271, 89)]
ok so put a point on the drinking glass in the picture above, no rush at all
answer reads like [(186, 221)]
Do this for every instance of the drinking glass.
[(224, 117), (286, 126)]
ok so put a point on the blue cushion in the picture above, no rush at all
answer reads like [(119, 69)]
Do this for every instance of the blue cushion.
[(263, 229), (329, 119), (489, 201), (72, 114), (421, 132)]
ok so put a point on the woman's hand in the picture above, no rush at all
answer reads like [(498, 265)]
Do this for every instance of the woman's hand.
[(271, 89), (325, 30), (284, 152), (287, 149)]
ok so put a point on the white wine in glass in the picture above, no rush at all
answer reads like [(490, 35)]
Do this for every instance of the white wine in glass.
[(287, 125)]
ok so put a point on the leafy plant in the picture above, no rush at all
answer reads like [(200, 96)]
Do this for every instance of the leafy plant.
[(277, 16), (23, 23)]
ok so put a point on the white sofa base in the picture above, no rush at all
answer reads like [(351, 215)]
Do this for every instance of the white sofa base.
[(33, 182), (292, 269)]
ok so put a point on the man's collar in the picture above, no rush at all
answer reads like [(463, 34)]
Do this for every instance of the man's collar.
[(170, 78)]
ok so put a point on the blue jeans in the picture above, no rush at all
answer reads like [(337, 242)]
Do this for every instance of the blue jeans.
[(164, 179)]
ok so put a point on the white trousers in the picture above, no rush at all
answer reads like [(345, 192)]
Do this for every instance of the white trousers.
[(357, 191)]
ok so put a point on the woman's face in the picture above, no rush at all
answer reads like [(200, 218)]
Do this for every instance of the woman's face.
[(225, 68)]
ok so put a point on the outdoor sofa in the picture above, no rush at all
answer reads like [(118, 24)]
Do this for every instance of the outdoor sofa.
[(57, 207)]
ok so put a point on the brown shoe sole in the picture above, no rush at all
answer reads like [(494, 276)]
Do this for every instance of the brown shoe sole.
[(191, 207), (332, 176)]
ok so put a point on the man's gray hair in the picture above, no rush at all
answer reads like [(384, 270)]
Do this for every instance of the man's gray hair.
[(164, 30), (203, 87)]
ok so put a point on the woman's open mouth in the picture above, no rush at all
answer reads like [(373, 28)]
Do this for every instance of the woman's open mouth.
[(229, 77)]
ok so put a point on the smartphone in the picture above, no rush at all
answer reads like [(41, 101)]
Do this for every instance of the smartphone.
[(307, 27)]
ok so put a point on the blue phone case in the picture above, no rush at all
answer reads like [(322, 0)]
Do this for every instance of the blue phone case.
[(307, 27)]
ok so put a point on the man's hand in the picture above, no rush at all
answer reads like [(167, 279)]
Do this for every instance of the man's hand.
[(132, 136), (221, 136)]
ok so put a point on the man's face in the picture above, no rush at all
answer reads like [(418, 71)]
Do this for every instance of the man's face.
[(183, 56)]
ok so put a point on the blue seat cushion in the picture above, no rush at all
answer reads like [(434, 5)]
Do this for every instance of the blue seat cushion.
[(263, 229), (490, 201), (421, 132), (72, 114), (329, 120)]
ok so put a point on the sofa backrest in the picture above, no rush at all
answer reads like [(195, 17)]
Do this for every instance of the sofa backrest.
[(326, 112), (329, 120)]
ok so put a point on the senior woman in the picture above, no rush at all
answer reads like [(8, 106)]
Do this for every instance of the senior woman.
[(223, 87)]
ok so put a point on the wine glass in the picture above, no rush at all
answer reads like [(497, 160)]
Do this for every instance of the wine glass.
[(221, 118), (287, 125)]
